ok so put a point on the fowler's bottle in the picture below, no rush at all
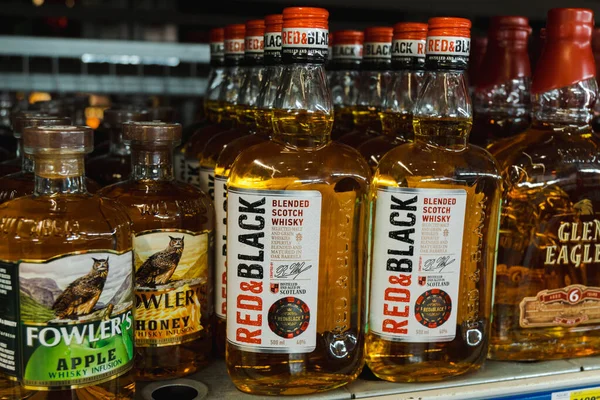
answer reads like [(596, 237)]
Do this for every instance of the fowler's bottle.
[(502, 91), (244, 109), (374, 82), (261, 132), (211, 97), (173, 248), (435, 206), (67, 330), (14, 165), (548, 273), (296, 236), (345, 70), (408, 61), (224, 111), (115, 166)]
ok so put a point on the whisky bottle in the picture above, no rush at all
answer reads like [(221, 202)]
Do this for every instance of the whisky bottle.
[(501, 98), (23, 183), (66, 264), (547, 276), (261, 132), (244, 108), (374, 82), (173, 256), (408, 62), (115, 166), (345, 69), (210, 105), (296, 236), (223, 110), (13, 165), (435, 205), (474, 71), (596, 49)]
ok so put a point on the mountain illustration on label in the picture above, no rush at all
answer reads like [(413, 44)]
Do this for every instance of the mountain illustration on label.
[(80, 297), (159, 267)]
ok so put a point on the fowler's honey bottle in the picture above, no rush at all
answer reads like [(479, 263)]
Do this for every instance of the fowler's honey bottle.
[(296, 236), (374, 82), (67, 300), (173, 248), (548, 273), (408, 61), (224, 109), (345, 70), (261, 132), (502, 91), (435, 205)]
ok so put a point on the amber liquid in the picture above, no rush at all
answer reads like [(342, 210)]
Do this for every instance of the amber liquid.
[(397, 129), (342, 178), (441, 159), (166, 204), (367, 125), (549, 181), (222, 114), (489, 128), (43, 226), (343, 122)]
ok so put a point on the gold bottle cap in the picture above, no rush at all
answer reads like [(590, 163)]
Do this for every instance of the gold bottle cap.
[(23, 121), (115, 117), (151, 132), (58, 139)]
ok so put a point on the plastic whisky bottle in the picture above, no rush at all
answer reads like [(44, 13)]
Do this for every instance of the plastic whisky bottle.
[(296, 236), (435, 205), (68, 309), (408, 62), (374, 82), (501, 98), (549, 247), (261, 132)]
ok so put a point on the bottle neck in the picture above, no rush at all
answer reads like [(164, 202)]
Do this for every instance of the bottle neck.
[(117, 146), (59, 174), (569, 105), (344, 87), (152, 162), (396, 119), (373, 88), (19, 150)]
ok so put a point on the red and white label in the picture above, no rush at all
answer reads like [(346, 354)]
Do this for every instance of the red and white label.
[(408, 48), (273, 269), (207, 181), (255, 44), (221, 246), (313, 38), (448, 45), (217, 49), (347, 51), (234, 46), (415, 271), (377, 50), (273, 41)]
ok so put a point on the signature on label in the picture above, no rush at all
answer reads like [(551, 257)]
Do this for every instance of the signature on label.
[(437, 264), (291, 270)]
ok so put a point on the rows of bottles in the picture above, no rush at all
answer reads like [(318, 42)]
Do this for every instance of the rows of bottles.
[(349, 200)]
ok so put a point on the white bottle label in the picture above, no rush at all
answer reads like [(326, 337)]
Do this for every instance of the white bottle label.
[(221, 246), (192, 172), (207, 181), (415, 271), (273, 269), (254, 44), (381, 50), (347, 51), (448, 45), (408, 48)]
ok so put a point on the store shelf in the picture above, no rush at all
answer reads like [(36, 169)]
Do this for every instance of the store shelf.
[(496, 380)]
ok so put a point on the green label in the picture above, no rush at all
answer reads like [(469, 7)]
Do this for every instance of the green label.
[(75, 324)]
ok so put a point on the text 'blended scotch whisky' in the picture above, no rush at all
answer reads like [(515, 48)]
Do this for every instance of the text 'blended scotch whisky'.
[(224, 110), (243, 111), (173, 256), (435, 206), (408, 63), (296, 236), (260, 132), (548, 274), (502, 91), (374, 82), (115, 166), (343, 81), (67, 301)]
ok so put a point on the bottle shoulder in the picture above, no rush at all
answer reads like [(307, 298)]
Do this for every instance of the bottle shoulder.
[(215, 145), (196, 143), (233, 149)]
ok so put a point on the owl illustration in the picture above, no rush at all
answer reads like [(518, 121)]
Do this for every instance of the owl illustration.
[(80, 297), (159, 267)]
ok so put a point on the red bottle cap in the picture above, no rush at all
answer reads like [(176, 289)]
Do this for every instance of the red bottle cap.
[(567, 57), (410, 31), (305, 17), (217, 35), (235, 31), (348, 37), (596, 48), (449, 26), (255, 27), (274, 23), (379, 34), (506, 57)]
